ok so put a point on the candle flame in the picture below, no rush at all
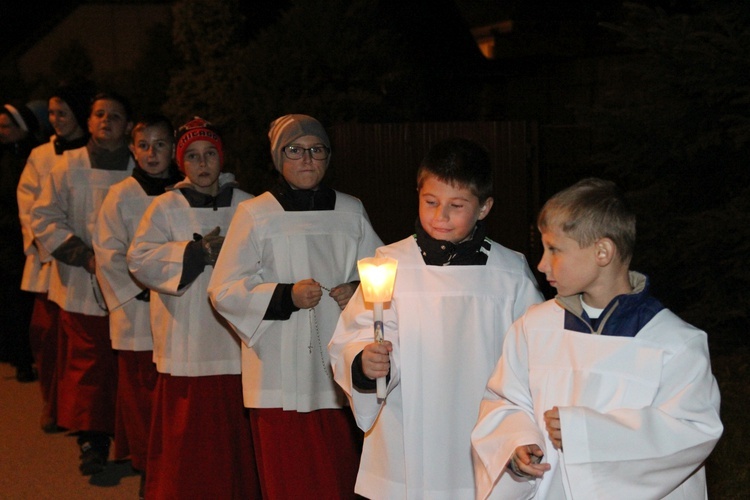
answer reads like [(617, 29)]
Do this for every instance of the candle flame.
[(377, 275)]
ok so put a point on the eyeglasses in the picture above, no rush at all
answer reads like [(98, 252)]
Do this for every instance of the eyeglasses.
[(297, 152)]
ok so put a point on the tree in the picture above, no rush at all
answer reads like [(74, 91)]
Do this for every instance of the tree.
[(674, 129), (333, 59), (338, 60)]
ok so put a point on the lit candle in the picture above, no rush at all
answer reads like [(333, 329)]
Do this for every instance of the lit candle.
[(377, 275)]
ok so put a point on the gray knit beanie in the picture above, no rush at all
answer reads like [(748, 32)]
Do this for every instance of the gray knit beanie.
[(286, 129)]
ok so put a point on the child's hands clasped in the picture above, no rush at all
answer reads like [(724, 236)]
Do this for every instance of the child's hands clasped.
[(376, 361), (552, 419)]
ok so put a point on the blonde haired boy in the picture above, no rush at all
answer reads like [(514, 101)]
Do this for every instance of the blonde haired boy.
[(601, 392)]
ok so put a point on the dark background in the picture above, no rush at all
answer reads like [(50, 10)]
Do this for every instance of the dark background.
[(653, 95)]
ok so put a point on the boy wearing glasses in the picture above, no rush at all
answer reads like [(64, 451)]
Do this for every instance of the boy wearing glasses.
[(283, 249)]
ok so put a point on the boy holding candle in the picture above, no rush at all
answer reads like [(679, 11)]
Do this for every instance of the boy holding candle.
[(600, 392), (455, 295)]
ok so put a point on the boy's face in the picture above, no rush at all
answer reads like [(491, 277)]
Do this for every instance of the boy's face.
[(568, 267), (202, 166), (108, 123), (153, 149), (306, 172), (449, 213), (62, 119)]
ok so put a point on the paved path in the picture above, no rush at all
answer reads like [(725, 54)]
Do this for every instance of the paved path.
[(35, 465)]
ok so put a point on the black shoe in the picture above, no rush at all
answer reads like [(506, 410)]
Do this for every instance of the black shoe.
[(142, 488), (94, 454), (52, 428), (48, 423), (26, 374)]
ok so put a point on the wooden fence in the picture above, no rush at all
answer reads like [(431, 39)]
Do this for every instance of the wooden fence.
[(378, 162)]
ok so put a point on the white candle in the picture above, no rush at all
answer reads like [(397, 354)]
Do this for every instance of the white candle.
[(377, 275)]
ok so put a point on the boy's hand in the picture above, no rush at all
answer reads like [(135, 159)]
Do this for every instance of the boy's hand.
[(552, 419), (342, 293), (306, 293), (90, 265), (525, 461), (375, 360)]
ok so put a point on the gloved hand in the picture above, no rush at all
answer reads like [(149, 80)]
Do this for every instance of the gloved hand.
[(211, 245)]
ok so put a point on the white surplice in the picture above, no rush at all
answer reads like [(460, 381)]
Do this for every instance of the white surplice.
[(190, 338), (285, 363), (639, 415), (446, 324), (69, 205), (129, 319)]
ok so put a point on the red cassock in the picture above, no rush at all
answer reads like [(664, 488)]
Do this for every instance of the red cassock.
[(217, 458), (87, 374), (136, 381), (43, 333)]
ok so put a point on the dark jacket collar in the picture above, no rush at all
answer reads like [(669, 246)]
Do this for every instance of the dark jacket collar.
[(154, 186), (471, 252), (302, 200), (196, 199), (61, 145), (624, 316)]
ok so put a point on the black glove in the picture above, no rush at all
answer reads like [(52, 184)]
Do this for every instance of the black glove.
[(145, 295), (211, 246)]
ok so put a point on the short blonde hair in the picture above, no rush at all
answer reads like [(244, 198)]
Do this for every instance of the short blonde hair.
[(589, 210)]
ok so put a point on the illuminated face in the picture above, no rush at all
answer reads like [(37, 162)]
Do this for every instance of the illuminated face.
[(305, 172), (447, 212), (108, 123), (63, 120), (153, 149), (9, 131), (568, 267), (203, 166)]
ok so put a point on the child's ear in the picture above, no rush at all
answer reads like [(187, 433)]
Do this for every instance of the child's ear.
[(485, 208), (605, 251)]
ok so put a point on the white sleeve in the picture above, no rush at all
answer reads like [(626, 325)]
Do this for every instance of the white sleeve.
[(49, 214), (353, 332), (528, 292), (236, 289), (506, 421), (152, 257), (27, 192), (111, 242)]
